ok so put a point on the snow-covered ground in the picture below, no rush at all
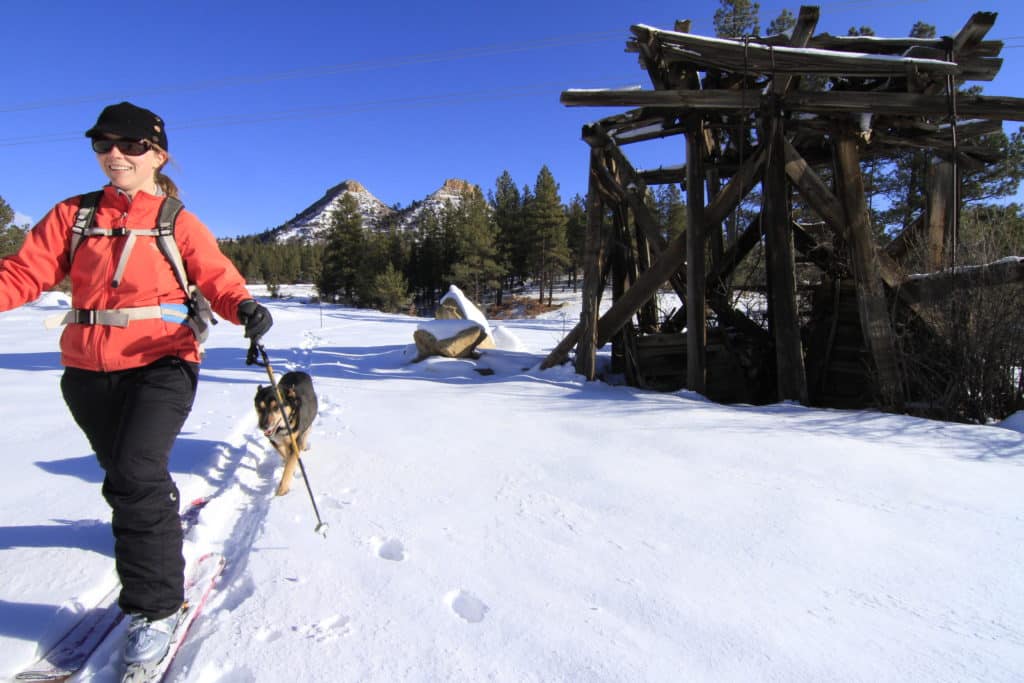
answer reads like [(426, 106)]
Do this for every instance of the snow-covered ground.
[(529, 526)]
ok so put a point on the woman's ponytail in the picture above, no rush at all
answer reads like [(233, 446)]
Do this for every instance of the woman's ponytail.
[(166, 185)]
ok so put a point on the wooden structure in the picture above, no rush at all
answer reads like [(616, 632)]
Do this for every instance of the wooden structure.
[(789, 112)]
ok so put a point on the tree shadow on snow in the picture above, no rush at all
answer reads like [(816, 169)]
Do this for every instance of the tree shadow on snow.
[(49, 360), (33, 621), (85, 534)]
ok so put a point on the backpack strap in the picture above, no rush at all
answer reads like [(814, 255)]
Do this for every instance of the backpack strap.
[(165, 221), (195, 312), (87, 204)]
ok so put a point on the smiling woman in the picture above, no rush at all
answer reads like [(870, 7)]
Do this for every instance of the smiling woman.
[(131, 357), (131, 147)]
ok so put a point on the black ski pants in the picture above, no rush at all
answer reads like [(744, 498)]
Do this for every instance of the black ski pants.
[(131, 418)]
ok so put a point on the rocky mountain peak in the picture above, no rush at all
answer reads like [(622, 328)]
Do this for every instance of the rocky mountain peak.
[(312, 223)]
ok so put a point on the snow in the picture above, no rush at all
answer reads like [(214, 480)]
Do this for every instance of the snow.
[(466, 308), (526, 525), (753, 44)]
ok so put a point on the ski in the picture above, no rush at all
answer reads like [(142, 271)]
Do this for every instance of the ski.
[(200, 583), (74, 648)]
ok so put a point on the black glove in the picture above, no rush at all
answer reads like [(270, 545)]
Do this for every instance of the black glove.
[(256, 319)]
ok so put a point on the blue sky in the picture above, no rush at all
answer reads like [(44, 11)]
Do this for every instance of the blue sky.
[(269, 104)]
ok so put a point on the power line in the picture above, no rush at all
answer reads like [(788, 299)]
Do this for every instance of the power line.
[(417, 102), (331, 69)]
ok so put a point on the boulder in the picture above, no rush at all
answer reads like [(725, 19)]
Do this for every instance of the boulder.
[(448, 338)]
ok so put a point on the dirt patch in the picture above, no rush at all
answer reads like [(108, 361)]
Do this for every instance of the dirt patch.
[(518, 307)]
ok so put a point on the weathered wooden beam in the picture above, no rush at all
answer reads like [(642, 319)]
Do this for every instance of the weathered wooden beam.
[(781, 267), (738, 187), (696, 308), (890, 104), (664, 176), (895, 46), (736, 252), (937, 287), (670, 261), (814, 191), (939, 209), (753, 58), (806, 244), (593, 282), (905, 104), (688, 100), (831, 209), (874, 316), (632, 190), (971, 35), (806, 22)]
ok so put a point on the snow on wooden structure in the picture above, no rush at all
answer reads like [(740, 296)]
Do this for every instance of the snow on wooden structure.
[(786, 112)]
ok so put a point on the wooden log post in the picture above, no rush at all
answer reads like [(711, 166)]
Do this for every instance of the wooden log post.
[(871, 303), (781, 262), (593, 282), (668, 263), (619, 254), (938, 214), (696, 312)]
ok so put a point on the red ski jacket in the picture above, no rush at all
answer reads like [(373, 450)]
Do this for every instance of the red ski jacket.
[(148, 280)]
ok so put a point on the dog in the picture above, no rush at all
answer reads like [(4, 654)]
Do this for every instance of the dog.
[(299, 409)]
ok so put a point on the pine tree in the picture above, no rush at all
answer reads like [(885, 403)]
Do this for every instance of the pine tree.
[(11, 236), (576, 236), (345, 241), (782, 23), (391, 290), (507, 216), (737, 18), (429, 257), (475, 268), (671, 210), (546, 223)]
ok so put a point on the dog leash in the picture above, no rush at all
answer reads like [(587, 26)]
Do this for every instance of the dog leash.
[(256, 351)]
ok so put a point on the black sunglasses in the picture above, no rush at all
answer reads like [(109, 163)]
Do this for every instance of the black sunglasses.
[(132, 148)]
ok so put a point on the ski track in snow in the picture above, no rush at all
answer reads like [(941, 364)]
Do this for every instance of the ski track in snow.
[(243, 478)]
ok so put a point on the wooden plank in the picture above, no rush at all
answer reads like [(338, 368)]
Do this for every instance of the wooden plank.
[(872, 308), (696, 310), (892, 104), (781, 267), (936, 287)]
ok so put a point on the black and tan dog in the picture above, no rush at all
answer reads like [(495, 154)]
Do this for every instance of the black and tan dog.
[(300, 408)]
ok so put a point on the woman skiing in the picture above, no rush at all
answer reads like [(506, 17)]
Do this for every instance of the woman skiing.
[(131, 357)]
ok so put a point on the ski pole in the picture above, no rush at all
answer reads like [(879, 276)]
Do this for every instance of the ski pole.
[(251, 359)]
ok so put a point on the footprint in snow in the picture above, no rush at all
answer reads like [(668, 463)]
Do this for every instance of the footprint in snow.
[(344, 498), (331, 628), (466, 605), (389, 549)]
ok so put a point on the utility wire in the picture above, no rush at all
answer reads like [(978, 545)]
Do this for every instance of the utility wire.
[(331, 69), (418, 102)]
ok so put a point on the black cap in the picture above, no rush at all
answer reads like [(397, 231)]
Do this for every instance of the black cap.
[(125, 120)]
